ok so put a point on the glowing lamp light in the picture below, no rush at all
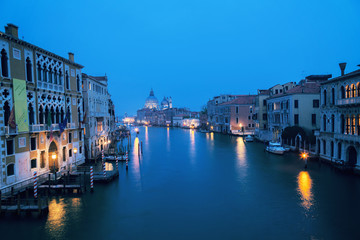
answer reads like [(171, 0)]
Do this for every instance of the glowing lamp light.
[(53, 156), (304, 155), (75, 150), (109, 141), (136, 129)]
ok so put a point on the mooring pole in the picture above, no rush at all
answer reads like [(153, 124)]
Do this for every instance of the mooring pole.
[(91, 179)]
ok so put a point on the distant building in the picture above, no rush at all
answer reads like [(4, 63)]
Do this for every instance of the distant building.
[(100, 114), (339, 138), (151, 101), (298, 106), (231, 113)]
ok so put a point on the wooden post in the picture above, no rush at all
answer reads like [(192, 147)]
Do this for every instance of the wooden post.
[(0, 203), (39, 206), (18, 204), (49, 182), (141, 148), (84, 181)]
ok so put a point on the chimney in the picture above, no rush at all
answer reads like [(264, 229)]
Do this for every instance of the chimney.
[(342, 67), (12, 30), (71, 57)]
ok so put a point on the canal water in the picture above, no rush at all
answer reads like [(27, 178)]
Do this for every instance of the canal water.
[(192, 185)]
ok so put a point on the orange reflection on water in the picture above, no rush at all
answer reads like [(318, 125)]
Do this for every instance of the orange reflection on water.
[(109, 166), (240, 152), (146, 135), (192, 142), (304, 189), (168, 139), (212, 136), (56, 218)]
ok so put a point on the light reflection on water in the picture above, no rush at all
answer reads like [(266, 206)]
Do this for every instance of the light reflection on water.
[(168, 139), (57, 218), (135, 162), (192, 145), (240, 152), (305, 189)]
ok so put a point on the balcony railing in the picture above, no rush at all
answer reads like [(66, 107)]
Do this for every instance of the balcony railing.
[(348, 101), (50, 86), (44, 127), (9, 131), (70, 125), (347, 137)]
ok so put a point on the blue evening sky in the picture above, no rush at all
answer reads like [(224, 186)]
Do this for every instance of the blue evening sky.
[(193, 49)]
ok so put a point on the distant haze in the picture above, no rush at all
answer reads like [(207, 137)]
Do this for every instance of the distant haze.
[(192, 50)]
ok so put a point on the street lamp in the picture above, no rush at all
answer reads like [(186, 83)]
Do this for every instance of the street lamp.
[(75, 151), (53, 156), (304, 156)]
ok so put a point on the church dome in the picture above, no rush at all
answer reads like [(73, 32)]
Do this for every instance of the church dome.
[(151, 101), (164, 103)]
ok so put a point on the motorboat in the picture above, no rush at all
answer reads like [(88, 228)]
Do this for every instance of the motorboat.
[(249, 138), (204, 131), (276, 148)]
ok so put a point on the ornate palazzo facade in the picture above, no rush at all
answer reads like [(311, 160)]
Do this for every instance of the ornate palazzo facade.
[(51, 97)]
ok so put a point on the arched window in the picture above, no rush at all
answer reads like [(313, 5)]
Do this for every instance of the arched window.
[(50, 75), (68, 114), (10, 170), (358, 89), (62, 115), (342, 124), (332, 149), (57, 119), (78, 83), (353, 124), (39, 71), (31, 114), (67, 80), (52, 113), (7, 113), (55, 76), (28, 69), (333, 123), (44, 73), (358, 125), (347, 122), (324, 147), (333, 96), (79, 116), (347, 89), (41, 115), (46, 115), (353, 90), (4, 63), (342, 89), (60, 77), (324, 123), (339, 150), (325, 97)]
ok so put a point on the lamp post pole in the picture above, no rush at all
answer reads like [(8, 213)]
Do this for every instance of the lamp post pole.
[(53, 156), (75, 151)]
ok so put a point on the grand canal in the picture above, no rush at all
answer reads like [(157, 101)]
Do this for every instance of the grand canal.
[(191, 185)]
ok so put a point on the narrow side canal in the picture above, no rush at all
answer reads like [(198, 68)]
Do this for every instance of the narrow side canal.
[(192, 185)]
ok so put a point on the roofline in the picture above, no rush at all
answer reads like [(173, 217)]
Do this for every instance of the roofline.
[(29, 45), (339, 78)]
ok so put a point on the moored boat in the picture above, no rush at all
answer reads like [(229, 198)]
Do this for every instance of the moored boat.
[(276, 148), (249, 138)]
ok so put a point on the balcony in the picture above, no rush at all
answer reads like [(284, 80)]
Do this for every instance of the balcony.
[(9, 131), (348, 101), (71, 125), (50, 86), (347, 137), (44, 127)]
